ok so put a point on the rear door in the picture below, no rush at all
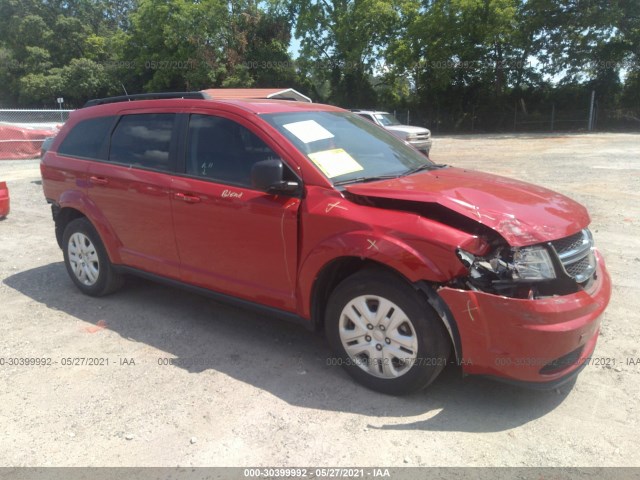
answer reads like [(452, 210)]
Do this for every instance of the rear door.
[(132, 189), (231, 237), (65, 170)]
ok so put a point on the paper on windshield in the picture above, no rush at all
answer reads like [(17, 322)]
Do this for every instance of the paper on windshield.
[(308, 131), (334, 163)]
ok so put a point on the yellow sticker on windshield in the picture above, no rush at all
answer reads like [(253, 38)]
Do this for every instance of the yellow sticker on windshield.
[(334, 163)]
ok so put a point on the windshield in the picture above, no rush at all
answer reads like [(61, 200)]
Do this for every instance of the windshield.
[(347, 148), (386, 119)]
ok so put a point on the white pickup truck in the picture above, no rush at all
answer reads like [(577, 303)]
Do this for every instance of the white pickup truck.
[(419, 137)]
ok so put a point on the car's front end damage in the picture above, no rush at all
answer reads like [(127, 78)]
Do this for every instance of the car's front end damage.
[(530, 314), (527, 307)]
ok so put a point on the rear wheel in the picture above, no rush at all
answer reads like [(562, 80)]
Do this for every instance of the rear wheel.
[(87, 261), (385, 333)]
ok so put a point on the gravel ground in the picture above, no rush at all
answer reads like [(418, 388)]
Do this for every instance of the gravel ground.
[(253, 391)]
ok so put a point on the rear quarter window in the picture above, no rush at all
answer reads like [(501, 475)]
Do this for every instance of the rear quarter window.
[(88, 139)]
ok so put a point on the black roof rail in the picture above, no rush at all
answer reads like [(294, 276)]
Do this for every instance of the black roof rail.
[(144, 96)]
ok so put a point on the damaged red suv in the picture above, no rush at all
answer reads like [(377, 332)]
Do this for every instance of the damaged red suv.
[(312, 213)]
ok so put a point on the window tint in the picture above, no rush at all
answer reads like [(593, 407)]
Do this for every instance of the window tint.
[(223, 150), (143, 140), (87, 139)]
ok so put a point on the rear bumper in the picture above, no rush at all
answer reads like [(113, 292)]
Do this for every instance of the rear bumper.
[(542, 342)]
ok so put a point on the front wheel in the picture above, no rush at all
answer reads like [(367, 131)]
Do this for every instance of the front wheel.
[(385, 333), (87, 261)]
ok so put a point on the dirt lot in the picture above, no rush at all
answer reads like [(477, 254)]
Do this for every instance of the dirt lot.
[(254, 391)]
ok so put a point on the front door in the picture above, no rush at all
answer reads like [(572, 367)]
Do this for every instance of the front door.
[(231, 237)]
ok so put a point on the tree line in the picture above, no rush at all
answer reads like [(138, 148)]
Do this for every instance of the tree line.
[(457, 62)]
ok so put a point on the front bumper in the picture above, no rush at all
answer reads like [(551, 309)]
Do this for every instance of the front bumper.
[(422, 145), (539, 342)]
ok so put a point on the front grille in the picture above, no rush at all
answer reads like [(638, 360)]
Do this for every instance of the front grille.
[(576, 255), (578, 268), (569, 243)]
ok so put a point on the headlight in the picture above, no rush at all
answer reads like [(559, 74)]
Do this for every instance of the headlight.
[(517, 264), (532, 263)]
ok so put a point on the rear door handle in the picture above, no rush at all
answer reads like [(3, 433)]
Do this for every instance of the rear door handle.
[(98, 180), (188, 198)]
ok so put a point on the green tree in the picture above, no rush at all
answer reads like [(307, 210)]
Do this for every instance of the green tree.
[(48, 46), (185, 45), (342, 42)]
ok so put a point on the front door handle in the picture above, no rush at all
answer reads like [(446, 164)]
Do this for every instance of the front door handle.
[(188, 198), (98, 180)]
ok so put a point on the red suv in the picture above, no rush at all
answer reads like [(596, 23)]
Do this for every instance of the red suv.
[(310, 212)]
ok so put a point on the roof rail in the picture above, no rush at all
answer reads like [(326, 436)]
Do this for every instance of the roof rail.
[(144, 96)]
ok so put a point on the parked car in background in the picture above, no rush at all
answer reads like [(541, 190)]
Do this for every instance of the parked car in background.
[(312, 213), (4, 200), (419, 137)]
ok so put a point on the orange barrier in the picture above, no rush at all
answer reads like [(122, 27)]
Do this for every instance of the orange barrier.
[(22, 141)]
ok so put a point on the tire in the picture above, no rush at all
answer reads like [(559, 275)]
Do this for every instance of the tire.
[(87, 261), (400, 353)]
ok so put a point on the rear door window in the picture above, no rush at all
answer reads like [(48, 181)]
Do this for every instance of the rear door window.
[(144, 140), (88, 139)]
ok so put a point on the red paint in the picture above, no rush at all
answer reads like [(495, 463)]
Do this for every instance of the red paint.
[(136, 205), (100, 325), (220, 249), (4, 200), (522, 213), (270, 249)]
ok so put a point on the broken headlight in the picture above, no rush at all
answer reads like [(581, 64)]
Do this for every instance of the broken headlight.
[(532, 263)]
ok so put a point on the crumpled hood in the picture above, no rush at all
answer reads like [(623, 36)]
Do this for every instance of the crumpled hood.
[(523, 214)]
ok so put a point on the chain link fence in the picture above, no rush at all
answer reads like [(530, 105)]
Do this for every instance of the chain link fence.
[(23, 131), (515, 118)]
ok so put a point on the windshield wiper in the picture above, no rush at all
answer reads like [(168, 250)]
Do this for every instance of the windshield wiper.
[(365, 179), (424, 166)]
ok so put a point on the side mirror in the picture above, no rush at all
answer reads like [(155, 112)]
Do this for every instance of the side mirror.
[(268, 175)]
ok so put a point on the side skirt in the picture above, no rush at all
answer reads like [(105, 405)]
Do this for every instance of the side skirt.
[(221, 297)]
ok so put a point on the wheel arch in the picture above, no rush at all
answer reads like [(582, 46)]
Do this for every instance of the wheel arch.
[(444, 313), (62, 216), (73, 205), (340, 268)]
